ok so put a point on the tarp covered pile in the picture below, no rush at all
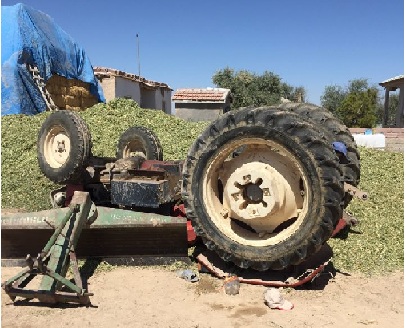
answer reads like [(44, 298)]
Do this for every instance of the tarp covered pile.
[(31, 37)]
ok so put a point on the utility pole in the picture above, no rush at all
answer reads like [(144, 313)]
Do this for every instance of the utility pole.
[(138, 52)]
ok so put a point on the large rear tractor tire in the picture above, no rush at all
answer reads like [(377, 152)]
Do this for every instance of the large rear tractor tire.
[(337, 131), (262, 188), (139, 141), (64, 147)]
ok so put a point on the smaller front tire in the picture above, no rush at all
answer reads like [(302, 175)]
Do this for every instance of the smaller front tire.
[(64, 147), (139, 141)]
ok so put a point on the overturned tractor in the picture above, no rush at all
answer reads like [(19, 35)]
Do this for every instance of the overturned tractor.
[(263, 187)]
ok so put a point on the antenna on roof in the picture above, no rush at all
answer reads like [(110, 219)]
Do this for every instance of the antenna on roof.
[(138, 53)]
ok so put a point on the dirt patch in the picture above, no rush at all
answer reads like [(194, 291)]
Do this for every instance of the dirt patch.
[(156, 297), (207, 285)]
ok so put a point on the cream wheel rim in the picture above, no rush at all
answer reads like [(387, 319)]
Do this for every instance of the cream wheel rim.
[(255, 191), (57, 147), (134, 148)]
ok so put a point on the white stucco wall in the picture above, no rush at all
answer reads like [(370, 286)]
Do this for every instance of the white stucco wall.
[(163, 100), (126, 88), (195, 115), (157, 99), (109, 88), (119, 87)]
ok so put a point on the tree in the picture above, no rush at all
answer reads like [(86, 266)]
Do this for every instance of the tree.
[(332, 97), (356, 104), (250, 89), (358, 110)]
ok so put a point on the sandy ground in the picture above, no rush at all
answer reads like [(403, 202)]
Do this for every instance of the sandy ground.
[(157, 297)]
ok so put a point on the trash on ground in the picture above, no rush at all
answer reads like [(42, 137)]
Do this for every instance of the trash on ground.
[(188, 275), (232, 285), (274, 300)]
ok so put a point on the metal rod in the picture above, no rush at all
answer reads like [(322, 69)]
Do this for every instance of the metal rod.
[(65, 282), (50, 297), (138, 53), (17, 276), (58, 230)]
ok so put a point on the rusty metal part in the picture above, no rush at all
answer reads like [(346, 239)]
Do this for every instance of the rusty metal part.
[(58, 197), (304, 273), (134, 182), (344, 223), (350, 219), (54, 260), (339, 227), (129, 163), (354, 191)]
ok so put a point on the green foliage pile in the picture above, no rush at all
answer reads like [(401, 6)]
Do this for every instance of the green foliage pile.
[(108, 122), (377, 243), (24, 186), (377, 247)]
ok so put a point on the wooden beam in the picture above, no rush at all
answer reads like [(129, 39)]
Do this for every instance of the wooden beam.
[(400, 110), (386, 108)]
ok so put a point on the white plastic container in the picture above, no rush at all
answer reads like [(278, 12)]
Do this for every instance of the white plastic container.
[(370, 140)]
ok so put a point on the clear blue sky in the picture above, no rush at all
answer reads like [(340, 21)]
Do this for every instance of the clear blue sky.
[(183, 43)]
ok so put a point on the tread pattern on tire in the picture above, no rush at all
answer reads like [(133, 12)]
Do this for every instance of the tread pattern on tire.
[(87, 140), (149, 139), (326, 208), (81, 144), (338, 132)]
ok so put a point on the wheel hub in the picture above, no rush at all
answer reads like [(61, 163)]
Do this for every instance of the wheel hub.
[(60, 147), (252, 192), (134, 148), (57, 147), (259, 189)]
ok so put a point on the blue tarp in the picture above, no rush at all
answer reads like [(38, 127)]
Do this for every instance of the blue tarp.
[(29, 36)]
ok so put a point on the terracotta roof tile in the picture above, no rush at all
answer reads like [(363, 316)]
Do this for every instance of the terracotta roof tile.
[(208, 95)]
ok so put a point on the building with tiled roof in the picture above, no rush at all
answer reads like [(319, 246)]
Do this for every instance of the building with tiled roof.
[(147, 93), (201, 104)]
